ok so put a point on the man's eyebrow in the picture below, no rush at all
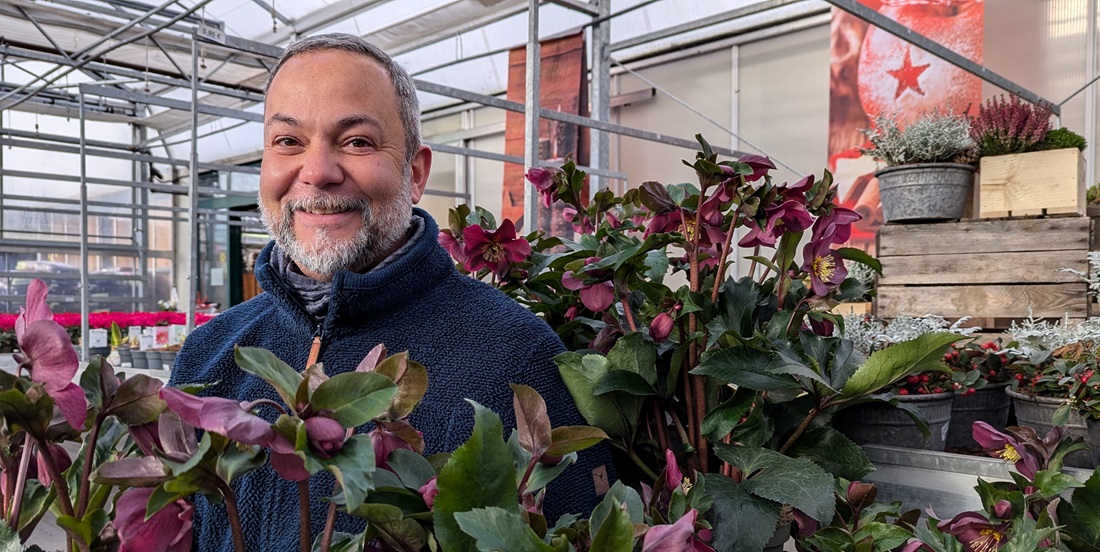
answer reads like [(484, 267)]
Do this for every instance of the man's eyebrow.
[(352, 121), (285, 119)]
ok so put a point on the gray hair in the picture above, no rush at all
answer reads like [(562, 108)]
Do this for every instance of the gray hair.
[(407, 105)]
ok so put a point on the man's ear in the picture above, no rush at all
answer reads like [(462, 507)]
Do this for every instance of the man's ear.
[(420, 166)]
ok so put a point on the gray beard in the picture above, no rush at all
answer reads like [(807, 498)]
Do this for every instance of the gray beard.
[(379, 233)]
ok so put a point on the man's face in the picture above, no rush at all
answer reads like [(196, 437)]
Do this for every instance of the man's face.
[(335, 190)]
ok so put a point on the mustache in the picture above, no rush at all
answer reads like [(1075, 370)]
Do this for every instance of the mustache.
[(325, 202)]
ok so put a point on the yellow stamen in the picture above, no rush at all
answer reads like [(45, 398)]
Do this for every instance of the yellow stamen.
[(686, 485), (824, 267), (1010, 454), (989, 541), (493, 252)]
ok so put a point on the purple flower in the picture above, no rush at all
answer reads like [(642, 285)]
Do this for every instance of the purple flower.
[(326, 436), (496, 249), (975, 532), (582, 226), (790, 216), (836, 226), (824, 265), (673, 476), (661, 327), (1006, 447), (60, 459), (671, 538), (169, 530), (428, 492), (452, 245), (760, 166), (545, 181), (222, 416), (46, 350), (597, 296), (385, 442), (1002, 509)]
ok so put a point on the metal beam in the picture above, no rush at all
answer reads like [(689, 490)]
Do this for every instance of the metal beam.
[(173, 189), (127, 156), (699, 24), (531, 116), (150, 99), (323, 17), (935, 48), (275, 13), (497, 14), (517, 107), (481, 154), (600, 96), (584, 7)]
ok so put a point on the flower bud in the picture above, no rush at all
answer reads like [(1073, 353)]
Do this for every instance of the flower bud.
[(1003, 509), (673, 476), (326, 436), (861, 495), (661, 327), (384, 443), (428, 492)]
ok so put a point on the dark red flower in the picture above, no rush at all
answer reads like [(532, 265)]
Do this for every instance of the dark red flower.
[(497, 249), (661, 327), (825, 267), (169, 530), (326, 436), (428, 492), (456, 248), (835, 226), (545, 181), (47, 351), (975, 532), (596, 296)]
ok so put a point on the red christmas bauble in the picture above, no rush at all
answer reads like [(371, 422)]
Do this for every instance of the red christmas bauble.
[(897, 77)]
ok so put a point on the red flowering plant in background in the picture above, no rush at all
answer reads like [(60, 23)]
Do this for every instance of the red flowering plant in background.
[(735, 376)]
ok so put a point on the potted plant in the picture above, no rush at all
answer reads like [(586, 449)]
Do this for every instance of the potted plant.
[(1026, 167), (984, 369), (864, 276), (929, 172)]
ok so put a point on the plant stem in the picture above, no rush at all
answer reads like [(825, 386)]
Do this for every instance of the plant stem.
[(89, 459), (20, 483), (330, 526), (688, 437), (64, 499), (727, 246), (637, 461), (234, 516), (659, 418), (798, 432), (306, 536), (629, 316), (752, 266), (680, 429)]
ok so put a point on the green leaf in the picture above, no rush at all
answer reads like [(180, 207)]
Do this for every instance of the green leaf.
[(36, 501), (745, 367), (137, 400), (795, 481), (634, 353), (860, 256), (616, 533), (353, 468), (722, 419), (834, 452), (411, 468), (30, 411), (264, 364), (1026, 536), (411, 379), (580, 374), (1061, 415), (80, 531), (496, 529), (532, 421), (341, 542), (479, 474), (846, 359), (888, 365), (97, 377), (567, 439), (401, 533), (138, 471), (9, 540), (238, 460), (354, 398), (618, 497), (741, 520), (543, 474), (1051, 483), (885, 537), (656, 263), (625, 382), (1080, 516)]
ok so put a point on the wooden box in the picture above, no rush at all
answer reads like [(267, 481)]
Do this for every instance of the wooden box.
[(1036, 183), (1004, 269)]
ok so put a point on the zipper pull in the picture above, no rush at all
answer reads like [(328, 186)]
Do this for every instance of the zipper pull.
[(315, 349)]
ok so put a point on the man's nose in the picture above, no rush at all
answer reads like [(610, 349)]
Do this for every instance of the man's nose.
[(321, 167)]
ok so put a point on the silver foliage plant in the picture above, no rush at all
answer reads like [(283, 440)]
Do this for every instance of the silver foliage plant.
[(871, 334), (936, 137), (1037, 335), (1093, 276)]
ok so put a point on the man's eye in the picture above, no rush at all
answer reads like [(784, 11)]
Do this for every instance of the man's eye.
[(286, 141), (359, 143)]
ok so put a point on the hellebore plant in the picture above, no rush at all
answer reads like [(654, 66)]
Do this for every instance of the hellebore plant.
[(738, 375)]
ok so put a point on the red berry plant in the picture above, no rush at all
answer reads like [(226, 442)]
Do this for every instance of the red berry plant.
[(1068, 372)]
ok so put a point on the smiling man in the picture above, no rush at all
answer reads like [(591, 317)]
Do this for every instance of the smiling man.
[(354, 264)]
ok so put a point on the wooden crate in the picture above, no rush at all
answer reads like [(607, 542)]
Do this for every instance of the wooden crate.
[(849, 309), (1035, 183), (989, 269)]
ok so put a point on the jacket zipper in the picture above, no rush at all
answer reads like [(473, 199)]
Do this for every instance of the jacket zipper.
[(315, 349)]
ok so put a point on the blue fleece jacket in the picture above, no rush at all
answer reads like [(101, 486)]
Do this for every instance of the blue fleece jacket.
[(473, 339)]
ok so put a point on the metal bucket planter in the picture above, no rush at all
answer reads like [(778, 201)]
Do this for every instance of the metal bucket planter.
[(140, 360), (882, 424), (125, 356), (989, 404), (780, 537), (924, 192), (1036, 412)]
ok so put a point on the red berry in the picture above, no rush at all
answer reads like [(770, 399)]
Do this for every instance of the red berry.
[(938, 390), (913, 380), (903, 391), (992, 373), (925, 378), (922, 391)]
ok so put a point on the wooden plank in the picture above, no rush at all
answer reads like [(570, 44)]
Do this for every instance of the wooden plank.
[(1024, 182), (1064, 233), (1031, 267), (850, 309), (1002, 301)]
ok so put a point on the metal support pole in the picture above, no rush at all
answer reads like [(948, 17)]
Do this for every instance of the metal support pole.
[(1091, 95), (193, 194), (531, 117), (84, 328), (601, 95)]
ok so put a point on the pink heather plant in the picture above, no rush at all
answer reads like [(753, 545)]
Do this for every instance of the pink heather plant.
[(1009, 125)]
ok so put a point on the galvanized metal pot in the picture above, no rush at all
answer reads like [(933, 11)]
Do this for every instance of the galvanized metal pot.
[(1037, 412), (989, 404), (924, 192), (882, 424)]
